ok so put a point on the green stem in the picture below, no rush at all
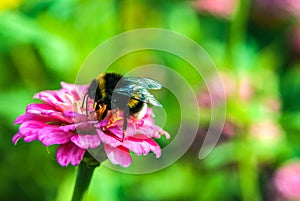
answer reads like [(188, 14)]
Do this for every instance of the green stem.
[(248, 171), (237, 30), (84, 176)]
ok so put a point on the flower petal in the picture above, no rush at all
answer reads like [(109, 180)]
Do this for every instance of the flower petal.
[(27, 117), (71, 114), (59, 99), (16, 138), (70, 87), (148, 131), (69, 153), (51, 134), (110, 139), (48, 111), (49, 97), (40, 108), (118, 155), (87, 127), (162, 132), (29, 130), (76, 90), (68, 128), (86, 141), (141, 144), (152, 131), (117, 129)]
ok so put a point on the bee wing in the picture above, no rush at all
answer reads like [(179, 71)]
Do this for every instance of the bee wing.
[(145, 82), (139, 93), (145, 96)]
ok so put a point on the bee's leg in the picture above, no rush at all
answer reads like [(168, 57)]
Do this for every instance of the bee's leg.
[(124, 129), (126, 115), (95, 106), (85, 100), (86, 104)]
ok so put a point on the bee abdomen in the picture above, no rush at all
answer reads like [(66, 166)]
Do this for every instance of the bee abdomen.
[(135, 106)]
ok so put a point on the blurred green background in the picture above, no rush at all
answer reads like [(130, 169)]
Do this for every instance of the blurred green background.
[(255, 45)]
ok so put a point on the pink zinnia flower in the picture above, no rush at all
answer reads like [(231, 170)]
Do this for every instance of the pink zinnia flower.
[(287, 181), (61, 120)]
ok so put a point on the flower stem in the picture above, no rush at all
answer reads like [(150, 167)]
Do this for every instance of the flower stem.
[(84, 176), (237, 30)]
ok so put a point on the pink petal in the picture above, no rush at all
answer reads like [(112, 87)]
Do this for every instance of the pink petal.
[(148, 131), (118, 155), (149, 113), (72, 114), (51, 134), (159, 132), (71, 87), (139, 122), (69, 153), (48, 111), (40, 108), (77, 118), (147, 121), (16, 138), (141, 144), (67, 98), (56, 99), (29, 130), (27, 117), (86, 141), (136, 146), (110, 139), (130, 130), (154, 147), (68, 128), (67, 86), (118, 130), (48, 96), (163, 132), (82, 127), (152, 131), (103, 123), (76, 90)]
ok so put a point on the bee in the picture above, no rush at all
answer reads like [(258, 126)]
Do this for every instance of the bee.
[(129, 94)]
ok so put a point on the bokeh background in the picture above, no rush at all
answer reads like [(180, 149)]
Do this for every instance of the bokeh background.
[(256, 47)]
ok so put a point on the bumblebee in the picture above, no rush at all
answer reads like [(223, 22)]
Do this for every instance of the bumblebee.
[(129, 94)]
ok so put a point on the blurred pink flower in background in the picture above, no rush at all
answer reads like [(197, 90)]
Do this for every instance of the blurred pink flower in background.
[(219, 94), (292, 7), (215, 92), (61, 120), (245, 88), (242, 87), (229, 129), (221, 8), (266, 130), (277, 9), (287, 181), (273, 104)]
